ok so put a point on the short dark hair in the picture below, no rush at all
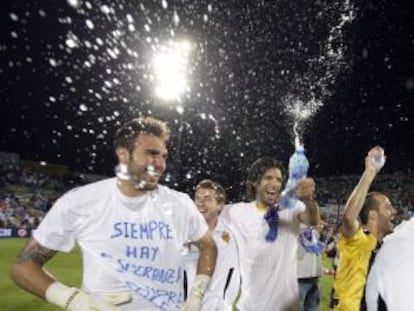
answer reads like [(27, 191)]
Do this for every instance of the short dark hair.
[(218, 189), (257, 170), (370, 204), (126, 135)]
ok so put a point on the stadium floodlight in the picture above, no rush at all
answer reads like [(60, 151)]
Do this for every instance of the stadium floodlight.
[(171, 68)]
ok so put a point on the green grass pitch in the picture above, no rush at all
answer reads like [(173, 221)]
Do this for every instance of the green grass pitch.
[(67, 268)]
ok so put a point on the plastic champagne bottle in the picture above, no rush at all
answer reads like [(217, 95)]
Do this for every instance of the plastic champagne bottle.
[(298, 169)]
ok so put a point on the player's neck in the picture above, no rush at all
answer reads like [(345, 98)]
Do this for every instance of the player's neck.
[(261, 207), (129, 189), (372, 228), (212, 223)]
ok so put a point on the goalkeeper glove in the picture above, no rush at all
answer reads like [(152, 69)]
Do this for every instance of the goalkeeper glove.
[(73, 299), (195, 299)]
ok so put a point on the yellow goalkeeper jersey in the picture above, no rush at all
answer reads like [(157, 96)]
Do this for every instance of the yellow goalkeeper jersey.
[(354, 257)]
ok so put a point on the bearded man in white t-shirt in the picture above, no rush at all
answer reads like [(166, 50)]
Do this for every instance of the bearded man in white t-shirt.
[(130, 230), (268, 268)]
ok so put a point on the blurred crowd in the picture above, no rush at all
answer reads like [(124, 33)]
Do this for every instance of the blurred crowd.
[(333, 192), (26, 195)]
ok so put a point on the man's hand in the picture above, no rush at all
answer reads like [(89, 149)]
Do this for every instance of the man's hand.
[(118, 298), (375, 159), (355, 203), (195, 299), (73, 299), (305, 189), (193, 303)]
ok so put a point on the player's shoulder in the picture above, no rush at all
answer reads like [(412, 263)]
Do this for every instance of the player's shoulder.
[(172, 195), (93, 186), (92, 191), (299, 206), (238, 205), (229, 210)]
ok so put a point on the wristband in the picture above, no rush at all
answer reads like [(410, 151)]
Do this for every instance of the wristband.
[(200, 285), (194, 300), (61, 295)]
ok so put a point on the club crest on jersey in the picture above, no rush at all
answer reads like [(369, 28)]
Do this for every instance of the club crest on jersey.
[(225, 236)]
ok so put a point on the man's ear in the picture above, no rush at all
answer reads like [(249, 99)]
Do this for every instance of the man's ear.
[(254, 184), (122, 154), (373, 214)]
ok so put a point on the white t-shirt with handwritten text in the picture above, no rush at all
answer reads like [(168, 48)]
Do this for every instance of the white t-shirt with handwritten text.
[(127, 244), (268, 269)]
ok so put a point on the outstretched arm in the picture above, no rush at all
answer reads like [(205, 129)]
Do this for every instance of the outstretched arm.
[(350, 223)]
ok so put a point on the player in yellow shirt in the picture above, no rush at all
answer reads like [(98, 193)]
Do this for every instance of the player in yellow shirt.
[(360, 238)]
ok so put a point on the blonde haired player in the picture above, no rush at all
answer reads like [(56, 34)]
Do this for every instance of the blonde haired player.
[(210, 198)]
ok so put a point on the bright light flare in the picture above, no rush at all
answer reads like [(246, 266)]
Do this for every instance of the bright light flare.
[(171, 68)]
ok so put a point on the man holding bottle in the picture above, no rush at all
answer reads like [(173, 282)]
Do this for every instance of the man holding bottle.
[(360, 240), (268, 261)]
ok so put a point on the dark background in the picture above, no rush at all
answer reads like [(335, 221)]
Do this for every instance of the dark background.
[(250, 61)]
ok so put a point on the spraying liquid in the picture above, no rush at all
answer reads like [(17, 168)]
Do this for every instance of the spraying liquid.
[(297, 139), (140, 185), (298, 169), (151, 170), (121, 171)]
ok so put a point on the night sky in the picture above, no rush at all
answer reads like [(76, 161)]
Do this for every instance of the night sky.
[(72, 71)]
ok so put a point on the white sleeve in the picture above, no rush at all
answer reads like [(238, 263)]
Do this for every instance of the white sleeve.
[(371, 289), (233, 287), (197, 224), (57, 229), (299, 207), (225, 214), (190, 267)]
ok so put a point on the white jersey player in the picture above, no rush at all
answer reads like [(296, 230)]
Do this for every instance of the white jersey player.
[(225, 282), (130, 231), (269, 268)]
